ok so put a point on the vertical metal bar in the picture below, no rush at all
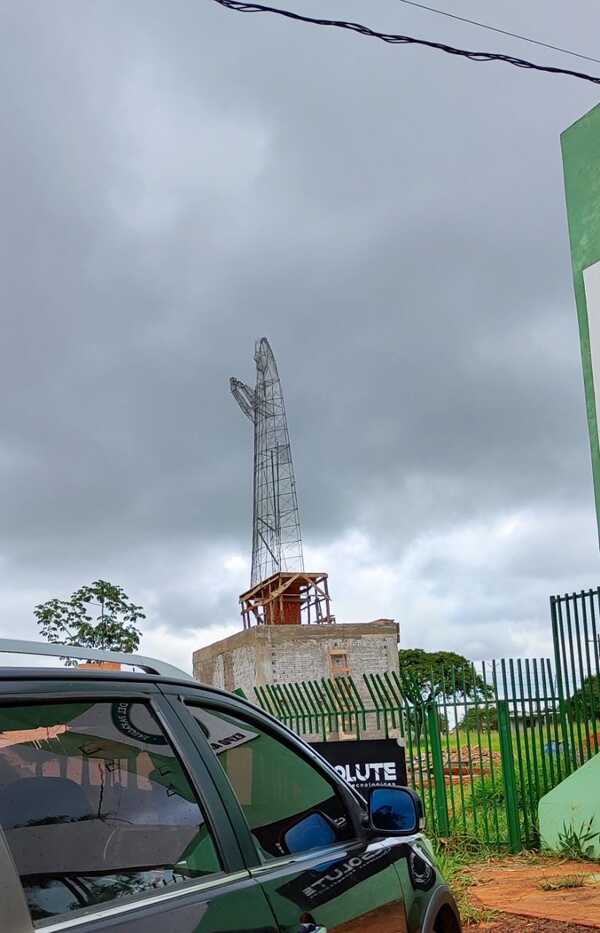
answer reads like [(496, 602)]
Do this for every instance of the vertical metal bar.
[(463, 694), (562, 760), (596, 643), (309, 706), (319, 709), (411, 755), (541, 714), (334, 686), (461, 786), (393, 692), (388, 699), (560, 658), (295, 718), (324, 702), (441, 802), (313, 712), (534, 746), (411, 752), (550, 720), (262, 697), (291, 705), (573, 715), (294, 704), (316, 711), (494, 685), (344, 687), (486, 826), (589, 680), (529, 791), (448, 754), (556, 641), (358, 701), (522, 788), (374, 699), (396, 687), (595, 640), (279, 710), (508, 773), (422, 741), (582, 713), (393, 684), (326, 686)]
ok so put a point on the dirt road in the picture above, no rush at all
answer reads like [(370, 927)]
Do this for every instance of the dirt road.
[(512, 924), (546, 895)]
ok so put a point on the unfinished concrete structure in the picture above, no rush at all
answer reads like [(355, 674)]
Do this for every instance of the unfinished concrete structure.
[(271, 654)]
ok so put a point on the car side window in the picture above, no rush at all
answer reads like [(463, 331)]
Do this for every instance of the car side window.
[(95, 805), (290, 806)]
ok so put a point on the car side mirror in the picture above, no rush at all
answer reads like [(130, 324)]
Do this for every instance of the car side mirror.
[(395, 811)]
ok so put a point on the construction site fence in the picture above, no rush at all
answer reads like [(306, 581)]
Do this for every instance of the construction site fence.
[(488, 741)]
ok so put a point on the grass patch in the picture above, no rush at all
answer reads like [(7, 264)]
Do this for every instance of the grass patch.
[(578, 842), (561, 884)]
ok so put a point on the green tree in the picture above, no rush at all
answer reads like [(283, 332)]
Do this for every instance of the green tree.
[(100, 615), (483, 718), (585, 702), (427, 675)]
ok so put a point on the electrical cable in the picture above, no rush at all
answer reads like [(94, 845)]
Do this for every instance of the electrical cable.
[(502, 32), (396, 39)]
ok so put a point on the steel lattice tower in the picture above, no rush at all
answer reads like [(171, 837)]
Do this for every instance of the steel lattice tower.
[(276, 537)]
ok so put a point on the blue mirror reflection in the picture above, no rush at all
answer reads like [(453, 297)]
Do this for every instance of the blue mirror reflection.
[(393, 809), (313, 832)]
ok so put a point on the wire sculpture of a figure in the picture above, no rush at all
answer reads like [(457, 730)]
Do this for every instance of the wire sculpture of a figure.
[(276, 536)]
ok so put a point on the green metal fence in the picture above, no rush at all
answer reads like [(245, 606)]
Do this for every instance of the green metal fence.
[(492, 740), (576, 637), (480, 759)]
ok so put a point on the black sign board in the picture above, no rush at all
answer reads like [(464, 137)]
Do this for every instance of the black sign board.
[(366, 762)]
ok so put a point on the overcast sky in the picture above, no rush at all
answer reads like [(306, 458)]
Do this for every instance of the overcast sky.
[(178, 180)]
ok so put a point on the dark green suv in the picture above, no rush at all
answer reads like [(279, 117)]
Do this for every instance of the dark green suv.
[(147, 803)]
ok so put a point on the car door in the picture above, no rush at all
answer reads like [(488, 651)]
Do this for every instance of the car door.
[(298, 825), (110, 819)]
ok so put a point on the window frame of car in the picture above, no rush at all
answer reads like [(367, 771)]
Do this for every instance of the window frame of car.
[(214, 700), (84, 688)]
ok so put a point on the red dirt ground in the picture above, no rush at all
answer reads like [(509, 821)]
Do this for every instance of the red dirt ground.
[(513, 887), (512, 924)]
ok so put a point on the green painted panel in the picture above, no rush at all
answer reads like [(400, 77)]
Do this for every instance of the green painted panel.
[(581, 162), (571, 805)]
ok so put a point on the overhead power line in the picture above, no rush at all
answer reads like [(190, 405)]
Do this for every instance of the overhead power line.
[(502, 32), (396, 39)]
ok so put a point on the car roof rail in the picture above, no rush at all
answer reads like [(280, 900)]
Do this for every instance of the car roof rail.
[(51, 650)]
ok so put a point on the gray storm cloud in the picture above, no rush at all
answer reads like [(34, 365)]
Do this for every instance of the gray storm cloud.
[(179, 180)]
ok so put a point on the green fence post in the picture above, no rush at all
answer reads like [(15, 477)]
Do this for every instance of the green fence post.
[(441, 800), (508, 773), (563, 708)]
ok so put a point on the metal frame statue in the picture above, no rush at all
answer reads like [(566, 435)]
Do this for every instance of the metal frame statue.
[(276, 535)]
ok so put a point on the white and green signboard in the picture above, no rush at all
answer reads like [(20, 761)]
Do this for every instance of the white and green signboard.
[(581, 161)]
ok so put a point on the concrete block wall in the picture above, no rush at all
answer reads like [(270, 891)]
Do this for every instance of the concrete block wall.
[(271, 654)]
